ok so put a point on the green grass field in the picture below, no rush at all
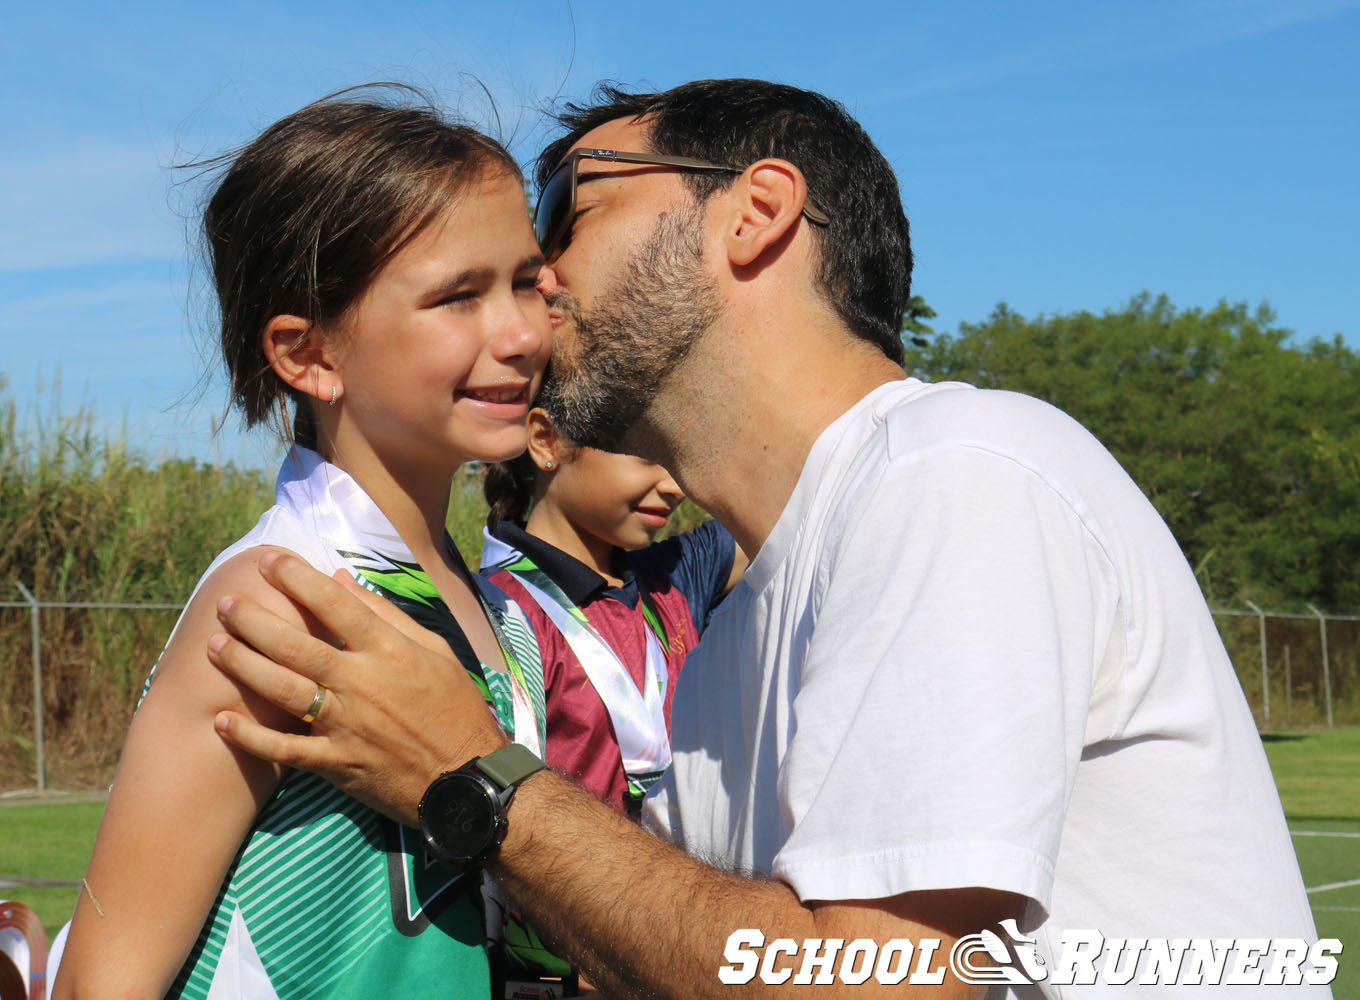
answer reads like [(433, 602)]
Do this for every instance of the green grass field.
[(47, 840), (1318, 775)]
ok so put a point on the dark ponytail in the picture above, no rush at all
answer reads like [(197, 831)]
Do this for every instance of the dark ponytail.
[(509, 490)]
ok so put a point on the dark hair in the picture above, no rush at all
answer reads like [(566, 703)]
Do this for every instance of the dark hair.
[(307, 214), (509, 489), (865, 268)]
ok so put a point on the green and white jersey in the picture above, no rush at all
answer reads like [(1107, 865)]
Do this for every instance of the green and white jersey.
[(326, 897)]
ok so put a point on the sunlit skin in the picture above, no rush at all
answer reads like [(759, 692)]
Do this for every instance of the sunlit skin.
[(446, 351), (719, 402), (452, 339), (589, 503), (617, 205)]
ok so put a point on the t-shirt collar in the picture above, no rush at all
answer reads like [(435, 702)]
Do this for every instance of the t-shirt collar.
[(577, 580)]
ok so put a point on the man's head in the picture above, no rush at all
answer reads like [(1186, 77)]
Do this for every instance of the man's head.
[(864, 266)]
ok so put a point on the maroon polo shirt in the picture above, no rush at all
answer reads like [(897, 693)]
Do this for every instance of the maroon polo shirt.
[(684, 576)]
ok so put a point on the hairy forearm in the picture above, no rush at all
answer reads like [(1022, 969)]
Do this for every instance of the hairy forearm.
[(639, 917), (642, 919)]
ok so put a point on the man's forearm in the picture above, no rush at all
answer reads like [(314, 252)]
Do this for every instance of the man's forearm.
[(639, 917), (643, 919)]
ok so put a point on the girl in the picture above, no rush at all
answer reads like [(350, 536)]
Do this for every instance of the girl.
[(375, 267), (615, 613)]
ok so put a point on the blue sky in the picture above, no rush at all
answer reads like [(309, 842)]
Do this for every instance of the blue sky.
[(1057, 156)]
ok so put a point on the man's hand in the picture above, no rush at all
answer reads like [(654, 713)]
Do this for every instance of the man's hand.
[(398, 708), (399, 711)]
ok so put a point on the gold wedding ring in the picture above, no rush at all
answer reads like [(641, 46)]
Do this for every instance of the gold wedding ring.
[(314, 709)]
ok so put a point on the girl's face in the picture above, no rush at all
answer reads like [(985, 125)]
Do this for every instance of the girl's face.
[(619, 499), (440, 357)]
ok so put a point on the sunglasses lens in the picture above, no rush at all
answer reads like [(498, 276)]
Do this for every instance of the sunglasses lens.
[(553, 205)]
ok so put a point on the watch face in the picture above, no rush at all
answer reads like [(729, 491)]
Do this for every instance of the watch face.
[(460, 817)]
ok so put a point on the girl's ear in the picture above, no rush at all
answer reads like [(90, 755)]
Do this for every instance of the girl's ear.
[(543, 440), (299, 357)]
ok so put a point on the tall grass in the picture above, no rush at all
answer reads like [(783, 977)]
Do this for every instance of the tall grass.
[(87, 518)]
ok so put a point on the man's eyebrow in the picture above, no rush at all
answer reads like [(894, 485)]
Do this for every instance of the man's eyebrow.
[(626, 169)]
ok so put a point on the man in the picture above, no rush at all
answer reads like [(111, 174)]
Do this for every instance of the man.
[(968, 678)]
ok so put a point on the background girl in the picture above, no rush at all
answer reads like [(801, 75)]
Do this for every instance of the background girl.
[(374, 265), (615, 613)]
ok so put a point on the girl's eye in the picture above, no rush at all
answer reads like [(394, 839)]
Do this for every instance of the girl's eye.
[(459, 298)]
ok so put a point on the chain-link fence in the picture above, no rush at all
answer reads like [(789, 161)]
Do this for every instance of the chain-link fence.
[(71, 672), (1298, 669)]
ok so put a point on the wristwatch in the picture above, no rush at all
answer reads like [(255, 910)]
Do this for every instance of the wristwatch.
[(462, 813)]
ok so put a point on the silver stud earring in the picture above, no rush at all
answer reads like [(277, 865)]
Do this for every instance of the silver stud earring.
[(548, 464)]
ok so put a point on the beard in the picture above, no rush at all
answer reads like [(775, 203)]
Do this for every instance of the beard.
[(643, 326)]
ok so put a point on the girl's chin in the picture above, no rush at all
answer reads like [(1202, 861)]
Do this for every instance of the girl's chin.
[(633, 540), (500, 449)]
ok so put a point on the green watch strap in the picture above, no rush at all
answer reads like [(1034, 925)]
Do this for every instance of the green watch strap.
[(510, 765)]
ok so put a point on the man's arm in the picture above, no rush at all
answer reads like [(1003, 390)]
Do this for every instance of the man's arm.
[(639, 917)]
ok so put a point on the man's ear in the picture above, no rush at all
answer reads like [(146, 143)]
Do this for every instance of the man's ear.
[(543, 439), (298, 355), (770, 195)]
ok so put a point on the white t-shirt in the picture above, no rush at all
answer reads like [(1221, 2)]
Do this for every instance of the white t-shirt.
[(970, 653)]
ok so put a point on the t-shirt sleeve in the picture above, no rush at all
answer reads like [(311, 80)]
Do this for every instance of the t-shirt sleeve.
[(940, 712), (696, 562)]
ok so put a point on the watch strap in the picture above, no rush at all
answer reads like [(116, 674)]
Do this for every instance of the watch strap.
[(509, 765)]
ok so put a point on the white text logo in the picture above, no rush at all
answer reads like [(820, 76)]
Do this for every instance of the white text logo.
[(1084, 957)]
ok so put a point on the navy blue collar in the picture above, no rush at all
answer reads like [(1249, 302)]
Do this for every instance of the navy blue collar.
[(578, 581)]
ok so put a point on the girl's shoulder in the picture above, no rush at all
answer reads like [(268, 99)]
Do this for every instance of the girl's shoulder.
[(696, 566), (233, 572), (281, 527)]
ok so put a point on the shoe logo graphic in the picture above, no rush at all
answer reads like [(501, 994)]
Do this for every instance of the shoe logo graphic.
[(1012, 958)]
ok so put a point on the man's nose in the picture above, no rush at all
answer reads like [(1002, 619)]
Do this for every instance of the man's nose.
[(547, 280)]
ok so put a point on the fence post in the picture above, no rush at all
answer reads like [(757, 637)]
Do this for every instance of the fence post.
[(1326, 666), (37, 687), (1288, 692), (1265, 677)]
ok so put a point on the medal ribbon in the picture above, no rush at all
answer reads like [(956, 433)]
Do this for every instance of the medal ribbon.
[(637, 715), (329, 499)]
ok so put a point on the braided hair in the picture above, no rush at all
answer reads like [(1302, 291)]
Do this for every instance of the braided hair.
[(509, 490)]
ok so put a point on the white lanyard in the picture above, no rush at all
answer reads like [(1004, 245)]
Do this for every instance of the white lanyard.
[(638, 716)]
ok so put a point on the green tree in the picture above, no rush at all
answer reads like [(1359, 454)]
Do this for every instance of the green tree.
[(1248, 446), (915, 330)]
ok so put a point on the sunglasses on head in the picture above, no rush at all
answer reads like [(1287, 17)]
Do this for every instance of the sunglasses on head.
[(557, 202)]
